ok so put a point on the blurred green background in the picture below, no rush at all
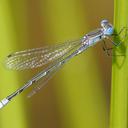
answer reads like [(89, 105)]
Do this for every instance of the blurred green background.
[(79, 94)]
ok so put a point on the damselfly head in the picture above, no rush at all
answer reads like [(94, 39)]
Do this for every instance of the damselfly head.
[(107, 28)]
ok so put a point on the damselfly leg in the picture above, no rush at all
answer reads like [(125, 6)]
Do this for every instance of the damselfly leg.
[(108, 50)]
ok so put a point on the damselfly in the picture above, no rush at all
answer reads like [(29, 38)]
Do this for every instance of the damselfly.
[(58, 55)]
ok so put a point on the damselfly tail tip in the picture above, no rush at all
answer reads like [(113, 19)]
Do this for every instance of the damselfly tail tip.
[(3, 102)]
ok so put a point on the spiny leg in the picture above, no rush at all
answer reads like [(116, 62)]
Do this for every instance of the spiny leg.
[(122, 29), (125, 29), (108, 50)]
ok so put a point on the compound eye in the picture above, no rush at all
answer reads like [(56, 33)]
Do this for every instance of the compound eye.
[(109, 31), (104, 23)]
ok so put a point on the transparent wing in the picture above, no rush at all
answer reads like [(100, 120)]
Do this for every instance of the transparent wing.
[(42, 82), (33, 58), (41, 79)]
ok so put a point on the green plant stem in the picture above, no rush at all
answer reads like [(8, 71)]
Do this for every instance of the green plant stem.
[(119, 105)]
